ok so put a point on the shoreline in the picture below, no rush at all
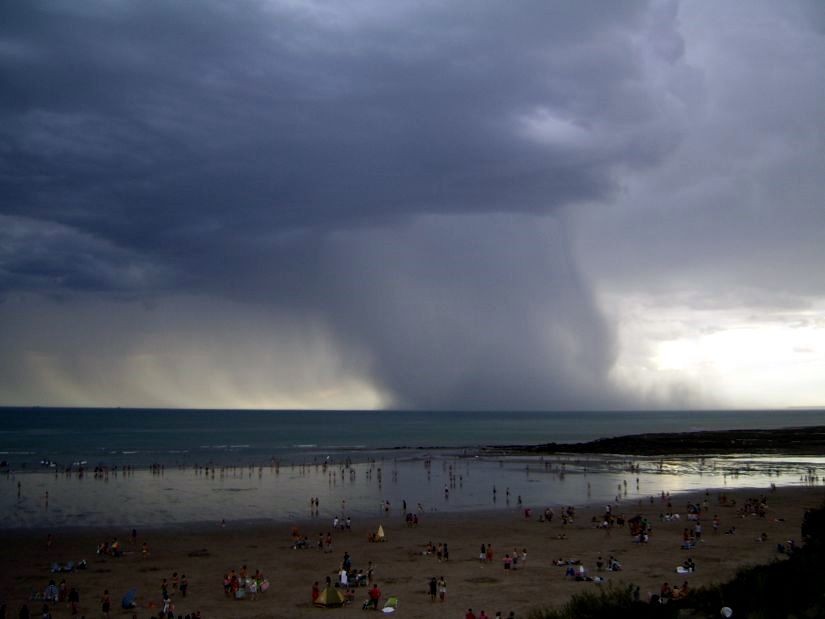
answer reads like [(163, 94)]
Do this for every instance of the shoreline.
[(249, 525), (249, 496), (792, 440)]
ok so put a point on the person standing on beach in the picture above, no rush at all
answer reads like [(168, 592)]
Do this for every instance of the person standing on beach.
[(105, 603), (442, 589), (74, 600), (375, 595), (433, 588)]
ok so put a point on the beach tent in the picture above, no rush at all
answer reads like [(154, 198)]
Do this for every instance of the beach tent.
[(379, 535), (330, 598)]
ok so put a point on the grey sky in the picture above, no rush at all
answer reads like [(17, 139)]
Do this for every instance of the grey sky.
[(461, 205)]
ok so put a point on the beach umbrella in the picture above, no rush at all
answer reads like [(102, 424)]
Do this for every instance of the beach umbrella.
[(128, 600)]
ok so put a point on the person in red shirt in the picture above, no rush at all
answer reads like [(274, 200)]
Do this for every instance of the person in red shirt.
[(470, 614), (375, 595), (316, 591)]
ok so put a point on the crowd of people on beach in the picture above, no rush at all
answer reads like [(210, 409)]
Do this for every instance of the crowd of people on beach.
[(349, 580), (241, 584)]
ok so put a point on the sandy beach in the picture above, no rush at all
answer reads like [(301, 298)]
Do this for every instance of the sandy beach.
[(401, 567)]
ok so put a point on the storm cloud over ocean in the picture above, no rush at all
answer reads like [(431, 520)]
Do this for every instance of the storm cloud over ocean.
[(416, 205)]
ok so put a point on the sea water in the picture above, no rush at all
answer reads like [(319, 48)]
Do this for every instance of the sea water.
[(112, 437), (213, 466)]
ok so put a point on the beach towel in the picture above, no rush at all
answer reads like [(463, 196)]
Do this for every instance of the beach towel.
[(682, 570)]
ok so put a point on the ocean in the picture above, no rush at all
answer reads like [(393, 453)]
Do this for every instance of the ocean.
[(110, 437), (265, 466)]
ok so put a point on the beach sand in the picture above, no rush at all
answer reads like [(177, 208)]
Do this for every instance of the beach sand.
[(401, 568)]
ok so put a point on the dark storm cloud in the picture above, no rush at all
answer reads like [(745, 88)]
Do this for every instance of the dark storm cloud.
[(733, 217), (394, 173), (155, 124), (455, 319)]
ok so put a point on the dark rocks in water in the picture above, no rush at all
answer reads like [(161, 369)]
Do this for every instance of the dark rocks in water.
[(806, 440)]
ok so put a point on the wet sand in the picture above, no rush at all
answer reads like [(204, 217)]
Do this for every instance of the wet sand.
[(205, 552)]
